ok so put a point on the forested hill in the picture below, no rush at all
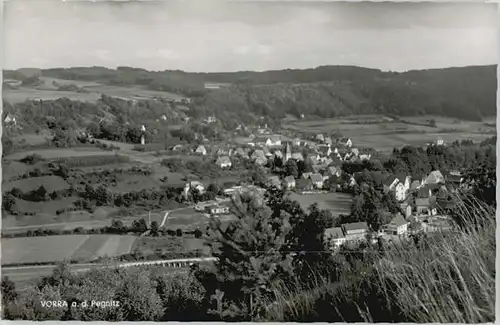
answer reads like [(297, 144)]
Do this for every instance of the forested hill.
[(328, 91)]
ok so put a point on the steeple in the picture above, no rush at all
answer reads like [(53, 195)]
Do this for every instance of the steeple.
[(287, 154)]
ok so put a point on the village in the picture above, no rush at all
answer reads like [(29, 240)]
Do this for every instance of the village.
[(274, 152)]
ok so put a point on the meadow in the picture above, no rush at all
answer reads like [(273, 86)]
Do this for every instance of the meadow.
[(67, 247), (337, 203), (373, 131), (61, 153), (92, 91), (51, 183)]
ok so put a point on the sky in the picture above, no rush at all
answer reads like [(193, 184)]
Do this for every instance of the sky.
[(222, 36)]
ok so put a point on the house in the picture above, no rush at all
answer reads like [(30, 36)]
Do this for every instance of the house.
[(324, 150), (278, 154), (390, 183), (356, 231), (317, 180), (217, 209), (297, 156), (328, 141), (426, 206), (355, 152), (306, 175), (164, 117), (313, 161), (289, 182), (434, 177), (327, 161), (424, 192), (406, 208), (261, 160), (274, 181), (400, 192), (201, 150), (240, 152), (273, 140), (223, 162), (320, 138), (346, 142), (193, 185), (365, 156), (177, 147), (333, 170), (10, 120), (258, 153), (325, 174), (334, 237), (304, 184), (439, 142), (397, 226), (415, 185), (143, 128)]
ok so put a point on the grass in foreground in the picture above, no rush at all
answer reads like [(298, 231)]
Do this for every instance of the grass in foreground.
[(447, 277)]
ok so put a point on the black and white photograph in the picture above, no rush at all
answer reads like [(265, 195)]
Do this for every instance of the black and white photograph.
[(249, 161)]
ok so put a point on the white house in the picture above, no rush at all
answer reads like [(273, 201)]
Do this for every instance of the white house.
[(317, 180), (223, 162), (10, 119), (434, 177), (334, 237), (289, 182), (355, 231), (143, 128), (397, 226), (201, 150), (346, 142)]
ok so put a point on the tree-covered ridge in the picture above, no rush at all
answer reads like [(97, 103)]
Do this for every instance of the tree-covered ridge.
[(467, 93)]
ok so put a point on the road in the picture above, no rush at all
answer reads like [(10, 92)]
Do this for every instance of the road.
[(25, 273), (88, 223)]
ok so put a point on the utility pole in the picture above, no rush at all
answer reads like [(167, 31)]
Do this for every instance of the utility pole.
[(149, 219)]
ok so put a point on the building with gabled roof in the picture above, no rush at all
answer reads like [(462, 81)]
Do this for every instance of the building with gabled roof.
[(317, 180), (397, 226), (223, 162), (201, 150), (289, 182), (355, 231), (334, 237)]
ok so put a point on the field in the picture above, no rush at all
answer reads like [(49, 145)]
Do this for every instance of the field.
[(372, 131), (61, 153), (150, 245), (51, 183), (59, 248), (336, 203), (22, 94), (93, 90)]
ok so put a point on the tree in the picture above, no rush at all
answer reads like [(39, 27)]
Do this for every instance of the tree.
[(102, 196), (139, 226), (197, 233), (178, 232), (249, 260), (8, 288), (155, 229), (8, 202), (291, 168)]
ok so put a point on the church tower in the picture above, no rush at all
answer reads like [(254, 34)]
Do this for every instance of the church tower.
[(288, 153)]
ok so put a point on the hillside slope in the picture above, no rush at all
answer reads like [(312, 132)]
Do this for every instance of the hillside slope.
[(467, 93)]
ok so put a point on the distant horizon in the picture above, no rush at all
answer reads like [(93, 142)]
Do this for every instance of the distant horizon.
[(229, 36), (253, 71)]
